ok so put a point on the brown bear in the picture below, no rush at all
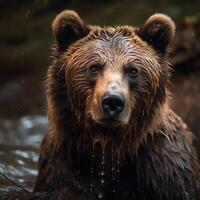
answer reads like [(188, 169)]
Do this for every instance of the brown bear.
[(111, 132)]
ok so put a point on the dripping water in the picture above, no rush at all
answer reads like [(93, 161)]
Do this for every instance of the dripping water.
[(92, 169), (115, 157), (102, 169), (118, 165), (113, 172), (100, 195), (101, 172)]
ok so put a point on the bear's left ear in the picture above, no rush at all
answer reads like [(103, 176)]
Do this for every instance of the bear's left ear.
[(68, 27), (158, 31)]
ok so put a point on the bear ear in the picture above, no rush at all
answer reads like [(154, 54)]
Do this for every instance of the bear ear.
[(158, 31), (68, 27)]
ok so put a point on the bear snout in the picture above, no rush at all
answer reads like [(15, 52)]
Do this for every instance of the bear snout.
[(113, 104)]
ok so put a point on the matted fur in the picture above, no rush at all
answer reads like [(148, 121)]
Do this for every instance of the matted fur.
[(148, 156)]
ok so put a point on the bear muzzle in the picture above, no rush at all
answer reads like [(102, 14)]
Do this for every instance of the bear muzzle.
[(113, 104)]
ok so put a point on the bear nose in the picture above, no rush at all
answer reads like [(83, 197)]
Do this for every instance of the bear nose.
[(113, 104)]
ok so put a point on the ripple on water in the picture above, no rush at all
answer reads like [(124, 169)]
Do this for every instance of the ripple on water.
[(19, 149)]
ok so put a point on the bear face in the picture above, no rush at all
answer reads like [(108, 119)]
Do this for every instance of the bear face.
[(110, 74), (115, 77)]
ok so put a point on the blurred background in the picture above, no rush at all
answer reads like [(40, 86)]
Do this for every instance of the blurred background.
[(25, 47)]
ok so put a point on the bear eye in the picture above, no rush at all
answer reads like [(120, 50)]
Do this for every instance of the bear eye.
[(95, 69), (132, 72)]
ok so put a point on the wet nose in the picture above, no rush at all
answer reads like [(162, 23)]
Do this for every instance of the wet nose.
[(113, 104)]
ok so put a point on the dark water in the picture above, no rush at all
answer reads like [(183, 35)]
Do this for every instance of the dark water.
[(19, 148)]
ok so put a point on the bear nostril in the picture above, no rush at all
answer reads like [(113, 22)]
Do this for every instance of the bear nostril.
[(113, 104)]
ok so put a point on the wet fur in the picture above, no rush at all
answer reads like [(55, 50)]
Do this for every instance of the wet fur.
[(152, 159)]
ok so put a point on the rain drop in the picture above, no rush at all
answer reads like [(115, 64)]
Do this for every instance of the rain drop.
[(79, 187), (118, 165), (91, 187), (102, 181), (100, 195), (102, 173), (92, 171)]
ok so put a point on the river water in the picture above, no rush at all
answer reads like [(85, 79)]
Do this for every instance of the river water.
[(19, 150)]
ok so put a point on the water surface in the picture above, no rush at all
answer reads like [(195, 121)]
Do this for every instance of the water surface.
[(19, 148)]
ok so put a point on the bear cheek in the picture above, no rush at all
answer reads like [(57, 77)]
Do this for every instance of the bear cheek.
[(95, 108), (125, 116)]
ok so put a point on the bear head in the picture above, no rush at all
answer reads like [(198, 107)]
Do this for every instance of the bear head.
[(109, 81)]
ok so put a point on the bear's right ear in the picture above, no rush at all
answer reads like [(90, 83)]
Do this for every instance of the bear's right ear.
[(68, 27), (158, 31)]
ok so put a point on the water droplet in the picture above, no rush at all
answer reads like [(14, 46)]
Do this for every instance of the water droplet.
[(114, 191), (79, 187), (100, 195), (91, 187), (102, 173), (102, 181), (118, 165), (92, 171)]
